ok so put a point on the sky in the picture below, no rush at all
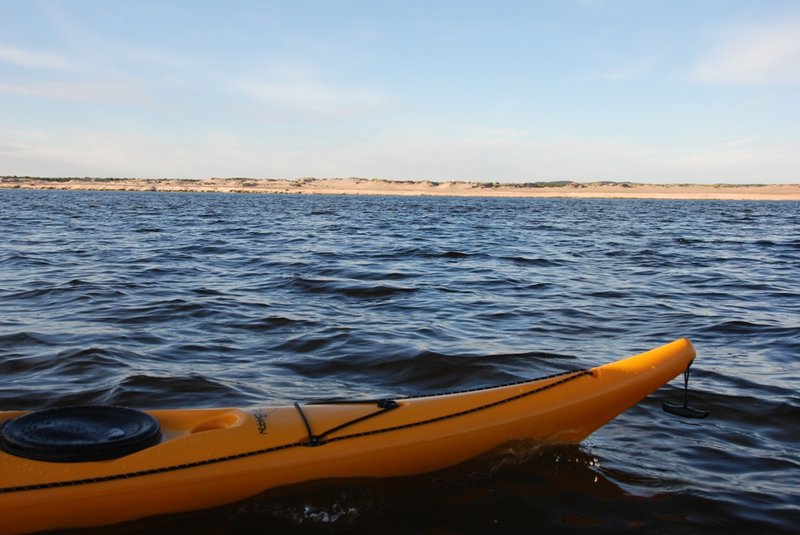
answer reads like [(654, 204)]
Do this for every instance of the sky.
[(678, 91)]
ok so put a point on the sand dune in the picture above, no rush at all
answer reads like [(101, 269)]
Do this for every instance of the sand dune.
[(361, 186)]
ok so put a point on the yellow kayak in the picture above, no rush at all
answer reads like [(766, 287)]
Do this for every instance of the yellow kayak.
[(93, 466)]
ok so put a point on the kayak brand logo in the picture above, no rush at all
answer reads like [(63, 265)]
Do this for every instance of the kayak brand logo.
[(261, 421)]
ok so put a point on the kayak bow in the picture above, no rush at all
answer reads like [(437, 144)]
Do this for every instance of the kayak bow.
[(208, 457)]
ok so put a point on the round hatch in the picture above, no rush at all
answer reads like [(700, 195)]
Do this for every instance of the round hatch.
[(79, 434)]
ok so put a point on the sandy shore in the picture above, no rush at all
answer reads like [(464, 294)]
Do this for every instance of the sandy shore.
[(361, 186)]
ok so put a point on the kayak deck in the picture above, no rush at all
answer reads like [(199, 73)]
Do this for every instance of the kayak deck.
[(209, 457)]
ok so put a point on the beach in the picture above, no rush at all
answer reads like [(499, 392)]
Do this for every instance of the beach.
[(364, 186)]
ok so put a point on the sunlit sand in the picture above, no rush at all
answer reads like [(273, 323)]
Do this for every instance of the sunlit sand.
[(362, 186)]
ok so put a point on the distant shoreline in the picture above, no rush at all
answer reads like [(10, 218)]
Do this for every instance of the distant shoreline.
[(362, 186)]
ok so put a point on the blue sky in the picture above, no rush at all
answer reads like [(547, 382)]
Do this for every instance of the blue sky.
[(511, 91)]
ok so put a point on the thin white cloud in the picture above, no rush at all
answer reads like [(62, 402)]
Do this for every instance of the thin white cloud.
[(155, 57), (102, 92), (746, 157), (762, 54), (310, 98), (633, 71), (33, 59), (81, 152)]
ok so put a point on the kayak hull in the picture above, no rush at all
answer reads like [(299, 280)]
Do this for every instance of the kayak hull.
[(211, 457)]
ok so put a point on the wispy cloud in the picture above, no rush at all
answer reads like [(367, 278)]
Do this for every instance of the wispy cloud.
[(760, 54), (632, 71), (310, 97), (103, 92), (744, 158), (155, 57), (116, 153), (33, 59)]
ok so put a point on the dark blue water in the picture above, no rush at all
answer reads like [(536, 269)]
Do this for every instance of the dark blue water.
[(174, 300)]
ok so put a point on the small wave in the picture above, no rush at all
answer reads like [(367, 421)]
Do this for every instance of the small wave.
[(25, 338), (26, 261), (428, 371), (305, 344), (267, 323), (371, 292), (455, 254), (38, 293), (18, 364), (79, 361), (208, 292), (536, 262), (158, 311), (377, 274), (749, 328), (337, 287), (689, 241), (609, 294), (145, 390)]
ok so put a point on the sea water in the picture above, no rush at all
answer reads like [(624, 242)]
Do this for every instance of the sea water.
[(187, 300)]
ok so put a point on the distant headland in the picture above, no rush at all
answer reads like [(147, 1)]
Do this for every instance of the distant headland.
[(374, 186)]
